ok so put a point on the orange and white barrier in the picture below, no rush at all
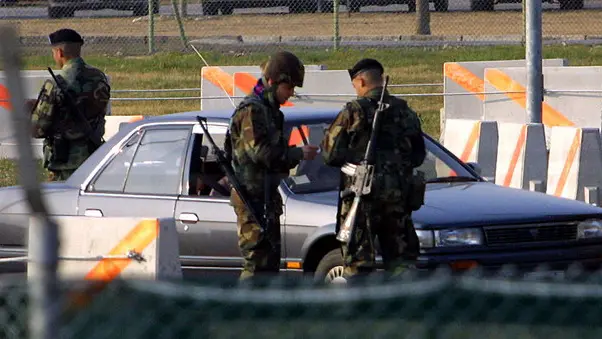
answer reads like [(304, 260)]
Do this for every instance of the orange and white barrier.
[(96, 249), (469, 78), (575, 165), (473, 141), (521, 155), (572, 96), (218, 81)]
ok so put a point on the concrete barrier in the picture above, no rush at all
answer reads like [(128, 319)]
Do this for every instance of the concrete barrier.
[(325, 82), (218, 81), (559, 109), (521, 155), (575, 166), (474, 141), (155, 240), (468, 78)]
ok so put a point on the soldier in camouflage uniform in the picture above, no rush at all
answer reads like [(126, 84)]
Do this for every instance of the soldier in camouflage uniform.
[(67, 143), (399, 149), (261, 158)]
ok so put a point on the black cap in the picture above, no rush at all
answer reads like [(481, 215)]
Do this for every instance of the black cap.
[(364, 65), (65, 35)]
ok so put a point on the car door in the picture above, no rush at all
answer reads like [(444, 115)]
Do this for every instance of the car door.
[(207, 223), (143, 178)]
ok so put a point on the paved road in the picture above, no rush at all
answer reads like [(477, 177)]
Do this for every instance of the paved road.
[(195, 9)]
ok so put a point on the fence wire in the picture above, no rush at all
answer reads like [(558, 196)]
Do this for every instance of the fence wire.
[(123, 27), (436, 305)]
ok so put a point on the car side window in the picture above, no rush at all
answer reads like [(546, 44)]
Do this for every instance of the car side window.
[(151, 166), (205, 176)]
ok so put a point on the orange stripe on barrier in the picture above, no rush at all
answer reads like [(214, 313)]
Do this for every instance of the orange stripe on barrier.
[(472, 140), (568, 163), (295, 138), (219, 78), (108, 269), (135, 118), (515, 155), (4, 98), (502, 82), (246, 82), (136, 240), (465, 78)]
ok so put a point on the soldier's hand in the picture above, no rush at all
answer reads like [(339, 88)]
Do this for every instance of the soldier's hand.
[(309, 152)]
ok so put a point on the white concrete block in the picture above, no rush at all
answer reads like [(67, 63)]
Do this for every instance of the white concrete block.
[(473, 141), (113, 123), (575, 164), (521, 155), (156, 240)]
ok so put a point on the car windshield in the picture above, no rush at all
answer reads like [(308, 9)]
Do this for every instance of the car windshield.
[(313, 176)]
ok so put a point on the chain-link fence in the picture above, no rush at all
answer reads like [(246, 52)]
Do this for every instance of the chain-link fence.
[(437, 305), (123, 26)]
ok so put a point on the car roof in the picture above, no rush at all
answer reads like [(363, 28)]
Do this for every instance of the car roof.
[(292, 115)]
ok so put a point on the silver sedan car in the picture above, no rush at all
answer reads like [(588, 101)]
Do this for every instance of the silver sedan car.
[(162, 167)]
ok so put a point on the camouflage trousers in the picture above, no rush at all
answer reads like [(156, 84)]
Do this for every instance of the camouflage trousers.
[(260, 252), (391, 224), (59, 175)]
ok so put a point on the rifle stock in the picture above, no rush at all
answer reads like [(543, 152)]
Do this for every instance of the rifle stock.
[(94, 137), (227, 168), (362, 176)]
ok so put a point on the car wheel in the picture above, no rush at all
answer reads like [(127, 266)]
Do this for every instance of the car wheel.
[(330, 268), (141, 10)]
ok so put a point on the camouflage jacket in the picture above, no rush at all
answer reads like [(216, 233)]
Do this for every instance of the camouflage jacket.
[(399, 144), (52, 117), (259, 146)]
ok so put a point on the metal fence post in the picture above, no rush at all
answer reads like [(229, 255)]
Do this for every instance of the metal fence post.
[(183, 8), (151, 26), (335, 12), (43, 245), (180, 24), (424, 18), (533, 56)]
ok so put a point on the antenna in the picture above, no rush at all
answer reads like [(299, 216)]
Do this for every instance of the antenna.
[(218, 81)]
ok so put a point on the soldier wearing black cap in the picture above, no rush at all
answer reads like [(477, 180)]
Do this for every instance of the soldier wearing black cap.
[(67, 142), (386, 211)]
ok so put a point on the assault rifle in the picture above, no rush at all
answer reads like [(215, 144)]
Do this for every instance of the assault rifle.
[(227, 168), (93, 133), (362, 174)]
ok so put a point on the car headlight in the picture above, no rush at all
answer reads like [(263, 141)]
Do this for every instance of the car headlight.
[(458, 237), (425, 238), (589, 229)]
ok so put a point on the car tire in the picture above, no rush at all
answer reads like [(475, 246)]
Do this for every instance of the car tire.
[(441, 5), (571, 4), (330, 268)]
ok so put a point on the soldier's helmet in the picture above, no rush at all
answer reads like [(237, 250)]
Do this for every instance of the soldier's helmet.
[(285, 67)]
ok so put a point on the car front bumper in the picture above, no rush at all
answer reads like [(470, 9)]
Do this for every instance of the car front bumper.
[(585, 257)]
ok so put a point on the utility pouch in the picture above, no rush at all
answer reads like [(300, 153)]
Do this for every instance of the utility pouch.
[(417, 191)]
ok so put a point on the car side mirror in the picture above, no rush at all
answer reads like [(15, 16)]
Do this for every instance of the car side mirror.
[(475, 167)]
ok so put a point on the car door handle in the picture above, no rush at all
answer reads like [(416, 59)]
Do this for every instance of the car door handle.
[(92, 212), (189, 217)]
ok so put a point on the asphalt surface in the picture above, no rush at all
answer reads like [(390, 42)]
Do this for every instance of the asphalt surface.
[(195, 9)]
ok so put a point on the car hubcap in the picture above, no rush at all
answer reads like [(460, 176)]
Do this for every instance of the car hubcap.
[(335, 276)]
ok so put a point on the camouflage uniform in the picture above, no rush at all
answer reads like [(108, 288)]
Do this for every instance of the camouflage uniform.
[(383, 213), (261, 158), (52, 117)]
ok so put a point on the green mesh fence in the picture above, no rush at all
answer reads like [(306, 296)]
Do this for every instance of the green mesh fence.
[(434, 306)]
